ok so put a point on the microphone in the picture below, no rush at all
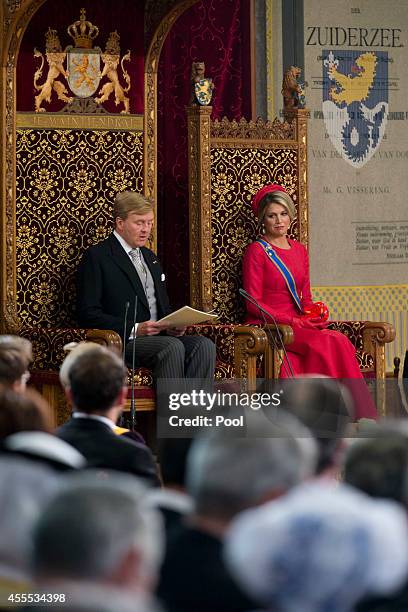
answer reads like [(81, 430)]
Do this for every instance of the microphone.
[(132, 396), (264, 312), (124, 330)]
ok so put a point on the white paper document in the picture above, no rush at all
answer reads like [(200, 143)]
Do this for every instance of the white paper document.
[(187, 316)]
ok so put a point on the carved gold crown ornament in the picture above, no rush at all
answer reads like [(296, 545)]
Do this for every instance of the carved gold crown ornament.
[(83, 32), (113, 44), (52, 42), (83, 70)]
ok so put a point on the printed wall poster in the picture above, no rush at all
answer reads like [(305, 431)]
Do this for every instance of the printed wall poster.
[(357, 73)]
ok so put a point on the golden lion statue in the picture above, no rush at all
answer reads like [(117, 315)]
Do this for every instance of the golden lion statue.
[(55, 57), (111, 61), (354, 88), (110, 70), (291, 88)]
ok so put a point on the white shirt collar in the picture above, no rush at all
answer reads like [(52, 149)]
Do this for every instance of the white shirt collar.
[(95, 417), (123, 242)]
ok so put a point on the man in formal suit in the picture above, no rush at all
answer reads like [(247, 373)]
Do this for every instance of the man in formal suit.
[(97, 391), (121, 270)]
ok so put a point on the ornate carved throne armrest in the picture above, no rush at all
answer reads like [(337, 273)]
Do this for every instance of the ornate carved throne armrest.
[(48, 343), (274, 354), (238, 347), (251, 341), (369, 338)]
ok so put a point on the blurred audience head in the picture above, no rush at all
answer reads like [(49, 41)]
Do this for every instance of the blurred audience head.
[(226, 475), (99, 529), (23, 345), (173, 454), (379, 465), (319, 548), (26, 411), (25, 488), (97, 380), (88, 597), (13, 367), (26, 431), (325, 406)]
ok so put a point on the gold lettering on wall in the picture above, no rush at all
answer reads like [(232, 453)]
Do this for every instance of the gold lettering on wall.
[(82, 122)]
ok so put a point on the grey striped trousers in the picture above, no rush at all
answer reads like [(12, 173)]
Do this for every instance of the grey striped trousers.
[(171, 357)]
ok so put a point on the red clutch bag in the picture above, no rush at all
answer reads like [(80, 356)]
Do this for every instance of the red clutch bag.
[(318, 310)]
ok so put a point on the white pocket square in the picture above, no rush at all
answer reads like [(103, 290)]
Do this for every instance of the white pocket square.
[(163, 277)]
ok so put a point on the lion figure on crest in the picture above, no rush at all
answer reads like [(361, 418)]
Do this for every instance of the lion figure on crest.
[(55, 57), (111, 61), (291, 90)]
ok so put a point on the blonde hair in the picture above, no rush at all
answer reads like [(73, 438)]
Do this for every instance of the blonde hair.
[(276, 197), (127, 202)]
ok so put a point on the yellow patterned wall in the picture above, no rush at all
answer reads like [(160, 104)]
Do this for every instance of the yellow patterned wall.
[(387, 303), (66, 183)]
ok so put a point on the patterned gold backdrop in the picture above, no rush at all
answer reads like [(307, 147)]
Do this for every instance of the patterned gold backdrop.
[(66, 184), (236, 175)]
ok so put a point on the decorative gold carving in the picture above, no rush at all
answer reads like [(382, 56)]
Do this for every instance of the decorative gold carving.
[(83, 73), (259, 129), (300, 118), (105, 337), (111, 60), (67, 121), (375, 336), (83, 32), (55, 57), (249, 342), (200, 205), (17, 27), (13, 5), (291, 89)]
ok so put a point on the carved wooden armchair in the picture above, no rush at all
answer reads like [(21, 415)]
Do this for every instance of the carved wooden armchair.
[(64, 179), (229, 162)]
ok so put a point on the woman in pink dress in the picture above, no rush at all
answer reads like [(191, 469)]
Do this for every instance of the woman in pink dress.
[(276, 274)]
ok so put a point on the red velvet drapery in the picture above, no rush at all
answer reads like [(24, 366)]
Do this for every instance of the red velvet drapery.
[(216, 32)]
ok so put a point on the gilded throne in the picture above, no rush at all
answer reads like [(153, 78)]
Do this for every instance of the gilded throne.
[(229, 162)]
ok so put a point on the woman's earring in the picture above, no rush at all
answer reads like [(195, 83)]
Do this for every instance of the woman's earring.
[(263, 230)]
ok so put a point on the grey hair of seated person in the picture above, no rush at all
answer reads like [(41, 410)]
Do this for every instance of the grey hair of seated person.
[(89, 528), (25, 488), (226, 475), (379, 465), (325, 406)]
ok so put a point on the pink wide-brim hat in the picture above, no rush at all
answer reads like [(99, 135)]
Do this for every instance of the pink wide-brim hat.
[(256, 200)]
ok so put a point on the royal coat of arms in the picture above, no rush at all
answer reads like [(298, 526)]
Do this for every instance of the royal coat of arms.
[(203, 91), (355, 102), (83, 67)]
